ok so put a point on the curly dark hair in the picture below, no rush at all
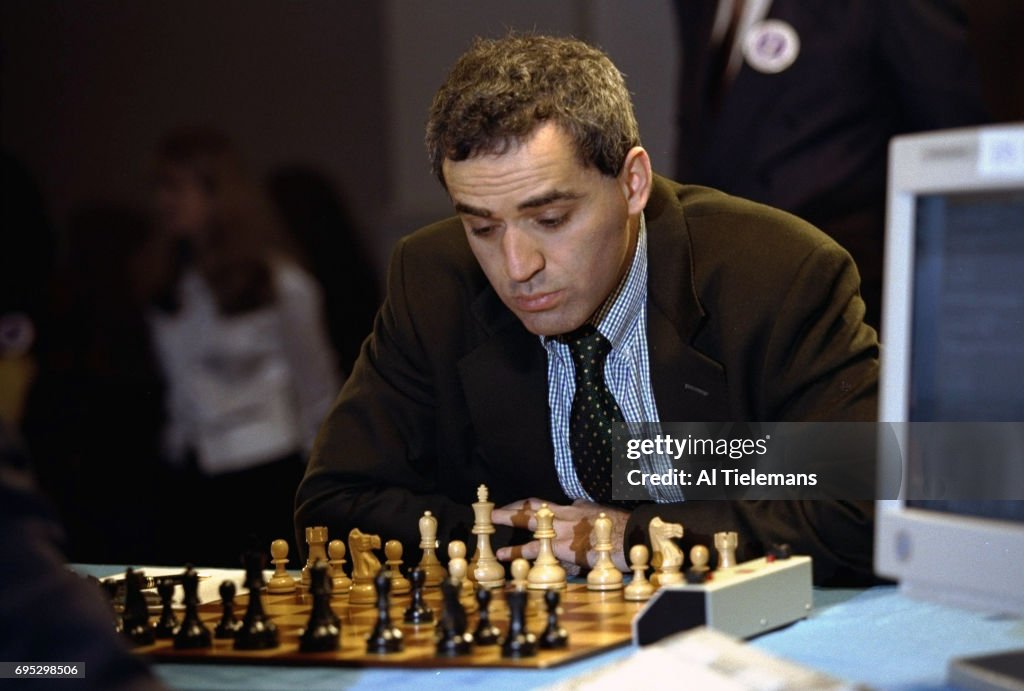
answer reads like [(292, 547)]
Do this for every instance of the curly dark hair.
[(500, 90)]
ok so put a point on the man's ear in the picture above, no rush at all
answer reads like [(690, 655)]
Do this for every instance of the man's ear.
[(636, 179)]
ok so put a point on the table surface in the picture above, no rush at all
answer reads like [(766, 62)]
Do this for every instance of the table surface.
[(878, 637)]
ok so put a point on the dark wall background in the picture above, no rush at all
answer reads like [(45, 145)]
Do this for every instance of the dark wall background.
[(88, 86)]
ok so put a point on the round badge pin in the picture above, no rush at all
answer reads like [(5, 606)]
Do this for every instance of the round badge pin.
[(771, 46)]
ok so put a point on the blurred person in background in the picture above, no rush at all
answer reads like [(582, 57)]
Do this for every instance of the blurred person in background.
[(28, 248), (793, 103), (95, 410), (239, 331), (321, 226)]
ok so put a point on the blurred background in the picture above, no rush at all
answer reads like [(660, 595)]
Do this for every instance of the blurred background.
[(322, 105)]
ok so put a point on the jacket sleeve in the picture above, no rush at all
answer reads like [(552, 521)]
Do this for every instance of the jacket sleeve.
[(374, 464)]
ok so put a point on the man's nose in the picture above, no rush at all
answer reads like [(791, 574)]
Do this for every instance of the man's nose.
[(523, 255)]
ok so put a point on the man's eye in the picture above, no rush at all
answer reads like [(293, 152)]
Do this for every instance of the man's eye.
[(481, 231), (552, 221)]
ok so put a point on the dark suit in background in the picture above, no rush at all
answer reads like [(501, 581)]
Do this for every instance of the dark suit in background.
[(813, 138), (752, 315)]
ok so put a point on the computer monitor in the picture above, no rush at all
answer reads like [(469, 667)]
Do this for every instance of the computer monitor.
[(953, 351)]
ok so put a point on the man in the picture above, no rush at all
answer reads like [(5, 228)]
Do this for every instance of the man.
[(713, 308)]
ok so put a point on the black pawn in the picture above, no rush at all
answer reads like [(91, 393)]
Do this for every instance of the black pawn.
[(136, 612), (322, 632), (519, 642), (258, 632), (418, 612), (452, 637), (229, 624), (385, 637), (167, 625), (554, 636), (486, 633), (192, 633)]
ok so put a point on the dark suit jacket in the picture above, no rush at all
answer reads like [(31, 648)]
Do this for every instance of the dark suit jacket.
[(813, 139), (753, 315)]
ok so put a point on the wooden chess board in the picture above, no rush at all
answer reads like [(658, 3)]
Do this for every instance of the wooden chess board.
[(596, 622)]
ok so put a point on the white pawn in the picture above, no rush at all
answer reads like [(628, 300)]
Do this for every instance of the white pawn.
[(400, 585), (340, 582), (547, 573), (520, 569), (604, 575), (458, 567), (280, 582), (639, 589), (725, 543), (699, 557)]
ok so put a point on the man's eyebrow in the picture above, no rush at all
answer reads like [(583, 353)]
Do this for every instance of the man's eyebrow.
[(472, 210), (531, 203), (548, 198)]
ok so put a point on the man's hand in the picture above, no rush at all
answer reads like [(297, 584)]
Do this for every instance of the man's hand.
[(572, 526)]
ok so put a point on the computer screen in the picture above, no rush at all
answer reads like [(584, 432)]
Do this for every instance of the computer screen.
[(953, 367)]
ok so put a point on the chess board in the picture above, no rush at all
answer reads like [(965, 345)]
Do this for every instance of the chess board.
[(596, 622)]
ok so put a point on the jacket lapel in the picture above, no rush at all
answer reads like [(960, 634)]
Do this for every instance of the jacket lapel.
[(688, 386)]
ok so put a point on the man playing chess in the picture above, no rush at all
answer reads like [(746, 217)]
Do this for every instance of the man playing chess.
[(574, 288)]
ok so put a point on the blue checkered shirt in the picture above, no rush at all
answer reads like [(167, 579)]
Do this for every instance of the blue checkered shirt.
[(623, 321)]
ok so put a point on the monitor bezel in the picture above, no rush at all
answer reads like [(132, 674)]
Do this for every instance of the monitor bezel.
[(961, 560)]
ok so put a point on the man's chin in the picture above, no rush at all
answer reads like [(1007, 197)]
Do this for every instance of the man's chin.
[(547, 323)]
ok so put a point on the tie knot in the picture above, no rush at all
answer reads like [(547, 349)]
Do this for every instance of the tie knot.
[(588, 345)]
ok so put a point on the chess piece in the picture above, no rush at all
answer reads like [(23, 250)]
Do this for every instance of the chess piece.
[(486, 570), (486, 633), (323, 630), (458, 567), (385, 637), (453, 639), (435, 573), (698, 571), (192, 633), (668, 556), (280, 582), (365, 567), (229, 624), (136, 624), (518, 642), (341, 584), (554, 635), (418, 612), (547, 573), (520, 572), (258, 632), (639, 589), (168, 622), (604, 575), (316, 539), (725, 543), (393, 551)]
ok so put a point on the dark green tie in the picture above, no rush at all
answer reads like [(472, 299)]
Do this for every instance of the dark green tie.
[(593, 412)]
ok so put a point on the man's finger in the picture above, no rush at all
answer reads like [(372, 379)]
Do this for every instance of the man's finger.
[(528, 551), (517, 518)]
